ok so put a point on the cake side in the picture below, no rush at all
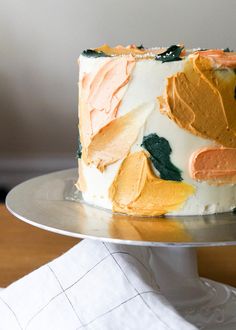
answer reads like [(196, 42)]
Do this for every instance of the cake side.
[(133, 118)]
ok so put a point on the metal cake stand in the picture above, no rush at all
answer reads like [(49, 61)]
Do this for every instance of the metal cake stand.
[(48, 202)]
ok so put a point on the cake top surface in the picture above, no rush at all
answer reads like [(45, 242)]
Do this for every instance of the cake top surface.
[(163, 54)]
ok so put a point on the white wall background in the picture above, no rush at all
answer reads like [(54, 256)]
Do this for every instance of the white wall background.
[(40, 42)]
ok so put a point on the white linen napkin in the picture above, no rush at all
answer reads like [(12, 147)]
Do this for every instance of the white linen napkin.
[(94, 285)]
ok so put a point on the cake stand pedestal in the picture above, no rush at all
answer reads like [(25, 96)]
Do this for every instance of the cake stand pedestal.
[(206, 304), (48, 202)]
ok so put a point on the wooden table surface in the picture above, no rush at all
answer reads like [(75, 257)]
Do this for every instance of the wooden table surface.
[(24, 248)]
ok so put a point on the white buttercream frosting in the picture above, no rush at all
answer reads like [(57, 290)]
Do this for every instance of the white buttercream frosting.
[(147, 83)]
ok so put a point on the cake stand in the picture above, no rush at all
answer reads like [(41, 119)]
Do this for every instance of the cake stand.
[(48, 202)]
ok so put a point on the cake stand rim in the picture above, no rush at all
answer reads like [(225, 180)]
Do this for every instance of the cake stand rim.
[(10, 207)]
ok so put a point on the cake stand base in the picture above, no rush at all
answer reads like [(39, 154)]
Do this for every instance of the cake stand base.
[(204, 303)]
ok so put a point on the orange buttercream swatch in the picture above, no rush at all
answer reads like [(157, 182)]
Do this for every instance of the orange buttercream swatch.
[(136, 190), (215, 165), (220, 57), (113, 142), (101, 94), (201, 100)]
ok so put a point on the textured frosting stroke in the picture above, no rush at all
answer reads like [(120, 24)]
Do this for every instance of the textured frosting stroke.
[(113, 142), (136, 190), (101, 94), (201, 100), (215, 165)]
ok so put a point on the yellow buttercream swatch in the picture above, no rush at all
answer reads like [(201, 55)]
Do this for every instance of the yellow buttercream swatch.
[(136, 190)]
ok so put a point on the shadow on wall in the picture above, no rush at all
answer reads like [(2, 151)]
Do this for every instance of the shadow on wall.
[(26, 147), (38, 91), (31, 123), (11, 123), (38, 126)]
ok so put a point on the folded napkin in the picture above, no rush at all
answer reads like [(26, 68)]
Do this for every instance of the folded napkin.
[(95, 285)]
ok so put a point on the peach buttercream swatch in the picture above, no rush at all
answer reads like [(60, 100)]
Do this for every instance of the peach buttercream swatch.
[(101, 94), (215, 165)]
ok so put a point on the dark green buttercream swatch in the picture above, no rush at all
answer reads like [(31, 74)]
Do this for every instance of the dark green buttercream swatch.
[(227, 50), (94, 53), (160, 151), (140, 47), (79, 149), (171, 54)]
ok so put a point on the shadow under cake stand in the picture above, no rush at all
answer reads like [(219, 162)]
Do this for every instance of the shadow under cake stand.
[(50, 202)]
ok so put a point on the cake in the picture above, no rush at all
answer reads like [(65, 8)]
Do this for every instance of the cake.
[(158, 130)]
